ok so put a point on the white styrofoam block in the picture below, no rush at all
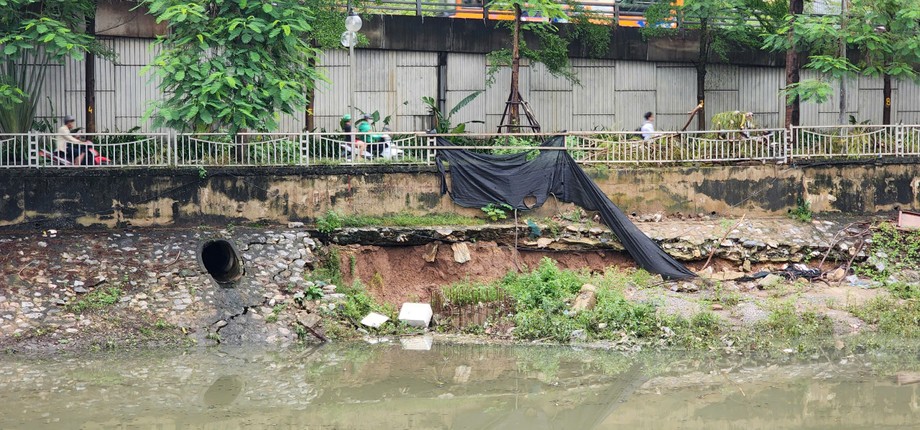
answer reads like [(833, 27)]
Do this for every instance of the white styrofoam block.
[(417, 343), (416, 314), (374, 320)]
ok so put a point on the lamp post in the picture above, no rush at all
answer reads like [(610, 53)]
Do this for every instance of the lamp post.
[(349, 40)]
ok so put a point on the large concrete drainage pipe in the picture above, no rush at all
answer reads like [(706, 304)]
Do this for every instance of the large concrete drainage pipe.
[(221, 260)]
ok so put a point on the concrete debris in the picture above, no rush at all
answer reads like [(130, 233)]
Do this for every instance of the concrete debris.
[(416, 314), (374, 320)]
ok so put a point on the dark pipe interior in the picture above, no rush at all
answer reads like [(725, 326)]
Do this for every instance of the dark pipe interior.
[(221, 261)]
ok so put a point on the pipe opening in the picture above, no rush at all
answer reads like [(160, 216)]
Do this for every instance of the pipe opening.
[(220, 259)]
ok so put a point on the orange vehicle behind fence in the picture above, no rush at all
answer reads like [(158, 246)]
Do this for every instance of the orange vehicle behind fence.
[(606, 12)]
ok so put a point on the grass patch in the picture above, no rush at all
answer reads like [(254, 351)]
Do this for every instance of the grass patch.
[(97, 299), (468, 293), (786, 322), (891, 317), (332, 220), (410, 220)]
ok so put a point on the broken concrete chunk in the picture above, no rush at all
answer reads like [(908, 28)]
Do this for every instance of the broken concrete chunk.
[(374, 320), (417, 343), (461, 252), (416, 314)]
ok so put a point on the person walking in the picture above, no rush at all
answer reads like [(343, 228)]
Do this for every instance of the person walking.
[(648, 128)]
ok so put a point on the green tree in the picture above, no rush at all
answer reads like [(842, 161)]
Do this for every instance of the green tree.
[(882, 37), (553, 49), (35, 34), (720, 25), (232, 64)]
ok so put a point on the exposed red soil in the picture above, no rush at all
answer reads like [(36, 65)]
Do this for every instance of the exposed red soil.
[(400, 274)]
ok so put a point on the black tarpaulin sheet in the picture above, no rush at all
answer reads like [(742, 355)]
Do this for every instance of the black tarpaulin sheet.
[(479, 179)]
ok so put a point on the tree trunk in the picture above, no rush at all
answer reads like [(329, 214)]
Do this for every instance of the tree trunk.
[(886, 93), (515, 69), (792, 68), (90, 80), (842, 118), (309, 120), (702, 62)]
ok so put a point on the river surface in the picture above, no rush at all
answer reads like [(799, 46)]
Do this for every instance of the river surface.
[(404, 385)]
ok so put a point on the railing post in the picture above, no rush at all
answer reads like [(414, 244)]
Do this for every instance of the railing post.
[(430, 154), (418, 7), (787, 144), (304, 149), (899, 140), (32, 140), (172, 149)]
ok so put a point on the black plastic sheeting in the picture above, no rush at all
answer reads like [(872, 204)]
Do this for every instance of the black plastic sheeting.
[(480, 179)]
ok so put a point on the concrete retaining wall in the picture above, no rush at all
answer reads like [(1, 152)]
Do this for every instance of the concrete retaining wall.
[(185, 197)]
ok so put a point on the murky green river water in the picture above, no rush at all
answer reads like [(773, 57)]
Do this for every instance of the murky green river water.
[(386, 386)]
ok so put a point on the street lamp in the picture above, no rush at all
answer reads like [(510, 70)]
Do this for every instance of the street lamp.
[(349, 40)]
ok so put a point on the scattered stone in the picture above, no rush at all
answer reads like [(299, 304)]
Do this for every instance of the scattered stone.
[(374, 320), (746, 266), (586, 299), (685, 287), (295, 224), (432, 254), (416, 314), (78, 283), (80, 290), (543, 242), (836, 275), (461, 252), (770, 281), (578, 335), (308, 319), (717, 307)]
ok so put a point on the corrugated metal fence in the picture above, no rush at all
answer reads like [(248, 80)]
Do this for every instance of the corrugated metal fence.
[(613, 95)]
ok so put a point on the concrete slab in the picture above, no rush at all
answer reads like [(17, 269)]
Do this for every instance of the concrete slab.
[(374, 320), (416, 314)]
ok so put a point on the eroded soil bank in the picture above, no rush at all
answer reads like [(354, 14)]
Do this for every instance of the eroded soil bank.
[(107, 289)]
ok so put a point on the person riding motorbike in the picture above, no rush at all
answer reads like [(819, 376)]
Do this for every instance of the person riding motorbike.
[(68, 146)]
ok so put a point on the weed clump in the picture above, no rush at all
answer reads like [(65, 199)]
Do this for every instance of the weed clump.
[(95, 300)]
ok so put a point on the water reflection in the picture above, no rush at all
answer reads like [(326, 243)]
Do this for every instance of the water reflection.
[(449, 387)]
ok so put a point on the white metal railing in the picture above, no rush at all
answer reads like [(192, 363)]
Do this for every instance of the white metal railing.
[(122, 150), (849, 141)]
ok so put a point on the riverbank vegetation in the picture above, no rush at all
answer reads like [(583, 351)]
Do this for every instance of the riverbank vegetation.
[(629, 313)]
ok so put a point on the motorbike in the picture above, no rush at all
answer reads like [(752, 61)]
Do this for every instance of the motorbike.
[(93, 156)]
